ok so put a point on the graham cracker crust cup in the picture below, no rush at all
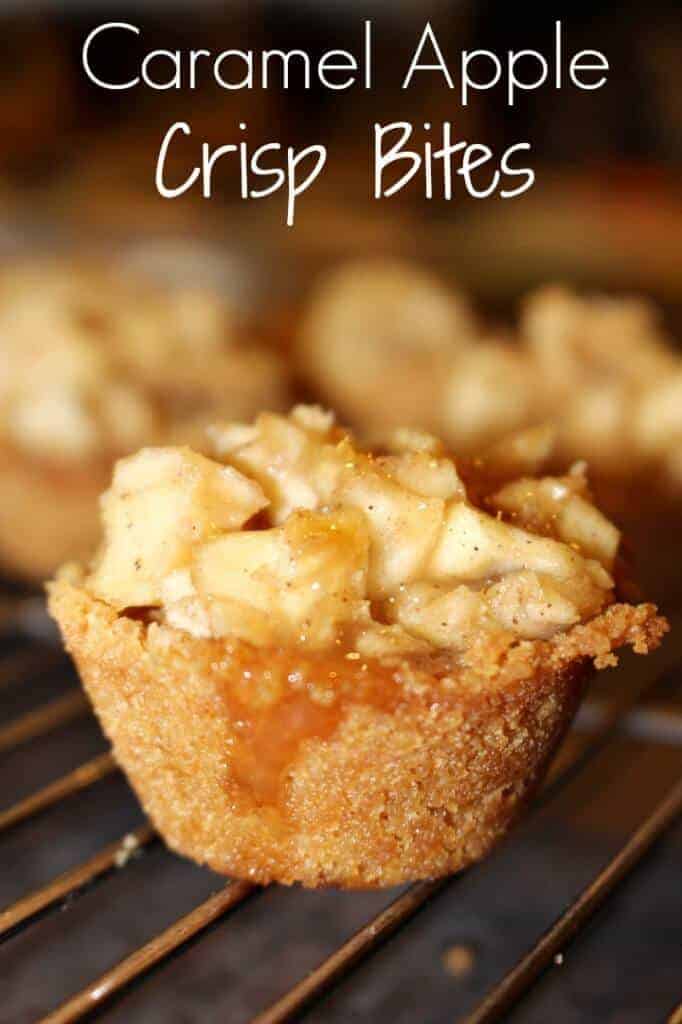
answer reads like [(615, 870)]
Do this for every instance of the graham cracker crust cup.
[(288, 765)]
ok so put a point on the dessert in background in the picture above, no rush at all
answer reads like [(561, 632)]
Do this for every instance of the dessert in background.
[(389, 343), (377, 339), (94, 363), (325, 665)]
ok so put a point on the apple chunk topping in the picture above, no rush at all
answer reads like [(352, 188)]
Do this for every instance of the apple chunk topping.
[(163, 503), (384, 553)]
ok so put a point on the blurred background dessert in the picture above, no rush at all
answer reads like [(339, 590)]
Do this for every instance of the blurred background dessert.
[(96, 361)]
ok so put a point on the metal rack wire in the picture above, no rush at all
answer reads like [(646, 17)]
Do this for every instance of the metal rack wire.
[(601, 723)]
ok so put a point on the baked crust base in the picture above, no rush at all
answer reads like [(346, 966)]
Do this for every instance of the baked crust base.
[(286, 766)]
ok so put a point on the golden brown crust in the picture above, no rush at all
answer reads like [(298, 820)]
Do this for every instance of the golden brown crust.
[(287, 766), (48, 514)]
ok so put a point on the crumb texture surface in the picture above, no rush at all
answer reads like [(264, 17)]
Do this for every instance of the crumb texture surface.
[(296, 766)]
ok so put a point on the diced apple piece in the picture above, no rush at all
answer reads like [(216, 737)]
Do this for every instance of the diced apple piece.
[(581, 523), (377, 640), (327, 581), (403, 527), (177, 586), (294, 464), (553, 505), (162, 502), (531, 606), (424, 474), (443, 617), (308, 576), (191, 615), (475, 546), (409, 439), (246, 567)]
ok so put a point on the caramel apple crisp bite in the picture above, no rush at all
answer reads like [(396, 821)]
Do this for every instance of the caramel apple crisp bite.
[(380, 554), (323, 664)]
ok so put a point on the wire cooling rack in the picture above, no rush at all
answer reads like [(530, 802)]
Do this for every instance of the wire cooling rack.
[(43, 709)]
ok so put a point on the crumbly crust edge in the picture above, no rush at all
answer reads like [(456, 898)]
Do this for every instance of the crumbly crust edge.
[(389, 795)]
